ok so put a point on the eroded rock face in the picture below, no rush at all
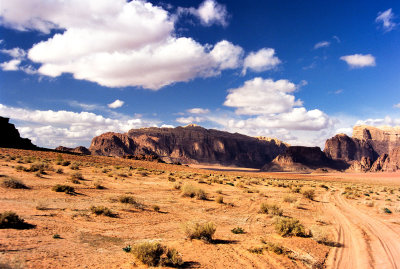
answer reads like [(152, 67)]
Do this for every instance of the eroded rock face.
[(10, 137), (343, 147), (302, 159), (364, 165), (190, 144), (79, 150), (383, 139), (387, 162)]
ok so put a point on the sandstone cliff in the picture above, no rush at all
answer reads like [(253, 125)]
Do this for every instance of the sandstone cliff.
[(10, 137), (190, 144), (79, 150), (303, 159)]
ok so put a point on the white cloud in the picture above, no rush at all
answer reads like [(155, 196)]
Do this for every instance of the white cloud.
[(387, 121), (322, 44), (50, 128), (359, 60), (116, 43), (211, 12), (261, 60), (116, 104), (15, 52), (336, 38), (228, 55), (386, 18), (198, 111), (85, 106), (263, 96), (397, 105), (188, 120), (12, 65)]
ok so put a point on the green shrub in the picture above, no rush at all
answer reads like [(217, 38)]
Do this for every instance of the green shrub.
[(155, 254), (102, 210), (63, 188), (309, 194), (286, 226), (14, 184), (277, 249), (387, 210), (238, 230)]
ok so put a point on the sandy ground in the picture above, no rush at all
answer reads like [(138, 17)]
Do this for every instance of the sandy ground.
[(347, 231)]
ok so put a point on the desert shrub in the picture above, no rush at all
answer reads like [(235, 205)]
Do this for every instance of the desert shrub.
[(277, 249), (156, 208), (20, 168), (238, 230), (324, 186), (56, 236), (98, 186), (63, 188), (271, 209), (75, 166), (309, 194), (59, 171), (296, 189), (14, 184), (171, 179), (9, 219), (177, 186), (219, 191), (220, 200), (65, 163), (202, 231), (188, 190), (102, 210), (256, 250), (369, 203), (77, 176), (39, 167), (127, 199), (286, 226), (155, 254)]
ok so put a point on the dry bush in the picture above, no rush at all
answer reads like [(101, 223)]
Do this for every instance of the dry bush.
[(272, 209), (127, 199), (63, 188), (189, 190), (155, 254), (102, 210), (13, 183), (286, 226), (9, 219), (309, 193), (289, 199), (202, 231), (220, 200)]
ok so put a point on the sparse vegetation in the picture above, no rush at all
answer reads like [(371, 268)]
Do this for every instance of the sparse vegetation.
[(309, 194), (102, 210), (64, 188), (127, 199), (155, 254), (238, 230), (189, 190), (202, 231), (13, 183), (271, 209), (220, 200), (286, 226), (9, 219)]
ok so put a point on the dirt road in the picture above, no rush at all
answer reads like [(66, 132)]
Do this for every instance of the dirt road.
[(364, 240)]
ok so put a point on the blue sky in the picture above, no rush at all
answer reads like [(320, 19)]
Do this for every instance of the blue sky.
[(300, 71)]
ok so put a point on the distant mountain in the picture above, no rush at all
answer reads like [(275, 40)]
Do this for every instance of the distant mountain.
[(10, 137), (190, 144)]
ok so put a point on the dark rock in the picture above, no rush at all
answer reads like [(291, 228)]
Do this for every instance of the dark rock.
[(10, 137)]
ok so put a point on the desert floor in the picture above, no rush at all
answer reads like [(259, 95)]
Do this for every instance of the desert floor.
[(352, 222)]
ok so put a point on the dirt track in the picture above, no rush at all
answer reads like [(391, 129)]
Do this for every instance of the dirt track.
[(364, 241)]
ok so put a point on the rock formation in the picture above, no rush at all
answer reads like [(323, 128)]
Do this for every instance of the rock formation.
[(387, 162), (79, 150), (303, 159), (10, 137), (190, 144)]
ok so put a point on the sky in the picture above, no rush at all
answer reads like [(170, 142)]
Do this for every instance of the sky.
[(299, 71)]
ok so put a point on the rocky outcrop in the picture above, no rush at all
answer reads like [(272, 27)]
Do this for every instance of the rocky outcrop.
[(10, 137), (364, 165), (78, 150), (382, 140), (343, 147), (387, 162), (303, 159), (190, 144)]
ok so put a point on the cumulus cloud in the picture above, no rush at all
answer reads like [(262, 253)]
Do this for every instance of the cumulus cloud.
[(211, 12), (387, 121), (263, 96), (116, 43), (262, 60), (322, 44), (12, 65), (15, 52), (50, 128), (198, 110), (227, 55), (359, 60), (116, 104), (386, 18)]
